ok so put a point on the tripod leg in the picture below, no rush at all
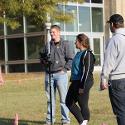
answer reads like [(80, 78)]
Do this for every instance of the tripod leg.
[(51, 117)]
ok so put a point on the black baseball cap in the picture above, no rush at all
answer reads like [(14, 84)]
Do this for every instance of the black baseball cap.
[(116, 18)]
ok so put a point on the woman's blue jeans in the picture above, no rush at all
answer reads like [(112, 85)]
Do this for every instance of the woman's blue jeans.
[(59, 81)]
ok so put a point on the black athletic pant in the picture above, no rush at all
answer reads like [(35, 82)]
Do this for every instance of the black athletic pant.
[(80, 111)]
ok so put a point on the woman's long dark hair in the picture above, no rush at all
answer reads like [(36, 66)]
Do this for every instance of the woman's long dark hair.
[(84, 40)]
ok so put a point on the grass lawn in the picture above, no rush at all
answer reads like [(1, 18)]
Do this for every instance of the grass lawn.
[(24, 94)]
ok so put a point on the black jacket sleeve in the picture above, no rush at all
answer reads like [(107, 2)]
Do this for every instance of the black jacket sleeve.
[(69, 54), (88, 67)]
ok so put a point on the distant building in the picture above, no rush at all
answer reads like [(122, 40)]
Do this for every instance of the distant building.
[(19, 49)]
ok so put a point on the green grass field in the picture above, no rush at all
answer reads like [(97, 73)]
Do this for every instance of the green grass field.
[(24, 94)]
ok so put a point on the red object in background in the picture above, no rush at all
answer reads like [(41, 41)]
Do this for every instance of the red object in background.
[(16, 119), (1, 78), (103, 124)]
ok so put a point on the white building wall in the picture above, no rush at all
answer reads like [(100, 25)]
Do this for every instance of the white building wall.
[(120, 7)]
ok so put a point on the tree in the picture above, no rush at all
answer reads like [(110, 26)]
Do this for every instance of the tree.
[(11, 10)]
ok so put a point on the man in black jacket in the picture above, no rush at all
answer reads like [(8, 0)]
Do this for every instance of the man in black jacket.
[(61, 56)]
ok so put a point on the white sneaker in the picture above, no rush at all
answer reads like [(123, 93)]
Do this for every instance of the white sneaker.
[(84, 122)]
